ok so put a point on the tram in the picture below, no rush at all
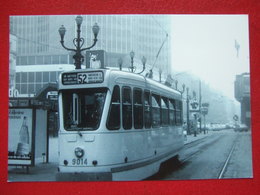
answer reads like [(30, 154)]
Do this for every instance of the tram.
[(115, 125)]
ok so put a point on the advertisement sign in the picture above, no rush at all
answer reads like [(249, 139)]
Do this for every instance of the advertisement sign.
[(20, 137), (95, 59)]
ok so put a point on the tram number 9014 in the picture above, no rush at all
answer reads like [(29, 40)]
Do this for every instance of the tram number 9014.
[(79, 161)]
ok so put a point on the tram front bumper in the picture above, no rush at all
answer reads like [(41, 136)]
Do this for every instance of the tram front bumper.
[(81, 176)]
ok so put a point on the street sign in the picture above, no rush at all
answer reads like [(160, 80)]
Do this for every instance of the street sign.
[(204, 110), (235, 117), (205, 104)]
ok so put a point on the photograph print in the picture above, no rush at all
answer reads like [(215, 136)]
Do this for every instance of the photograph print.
[(129, 98)]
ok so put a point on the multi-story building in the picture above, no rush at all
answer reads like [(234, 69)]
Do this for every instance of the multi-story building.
[(242, 94)]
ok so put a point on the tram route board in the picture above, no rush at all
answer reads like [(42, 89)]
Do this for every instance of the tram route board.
[(82, 78)]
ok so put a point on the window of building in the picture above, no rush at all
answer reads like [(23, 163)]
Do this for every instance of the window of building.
[(38, 87), (172, 112), (113, 120), (47, 60), (55, 59), (38, 77), (156, 113), (24, 60), (31, 89), (63, 59), (24, 77), (46, 77), (23, 89), (147, 110), (138, 108), (53, 77), (31, 77), (39, 60), (31, 60), (127, 107), (18, 77), (18, 87), (165, 111)]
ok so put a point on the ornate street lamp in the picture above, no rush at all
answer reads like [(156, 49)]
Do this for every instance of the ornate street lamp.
[(79, 41), (132, 67)]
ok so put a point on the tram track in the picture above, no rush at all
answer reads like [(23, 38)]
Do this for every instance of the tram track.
[(225, 165)]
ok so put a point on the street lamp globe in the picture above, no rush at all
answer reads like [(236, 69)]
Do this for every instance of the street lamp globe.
[(62, 31), (79, 20), (95, 29), (132, 54)]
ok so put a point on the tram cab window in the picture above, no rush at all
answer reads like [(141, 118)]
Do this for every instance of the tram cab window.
[(147, 110), (138, 108), (178, 112), (172, 112), (113, 120), (82, 109), (156, 113), (127, 107), (165, 111)]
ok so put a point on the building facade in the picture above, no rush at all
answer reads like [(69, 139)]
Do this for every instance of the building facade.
[(242, 94)]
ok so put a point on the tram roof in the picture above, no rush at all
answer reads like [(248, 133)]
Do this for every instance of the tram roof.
[(112, 77)]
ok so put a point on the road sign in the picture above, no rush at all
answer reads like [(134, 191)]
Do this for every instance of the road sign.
[(204, 110), (235, 117)]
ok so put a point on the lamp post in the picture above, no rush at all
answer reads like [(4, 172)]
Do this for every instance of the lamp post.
[(188, 111), (78, 41), (132, 55)]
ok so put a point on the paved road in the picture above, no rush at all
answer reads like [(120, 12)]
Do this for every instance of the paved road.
[(205, 158)]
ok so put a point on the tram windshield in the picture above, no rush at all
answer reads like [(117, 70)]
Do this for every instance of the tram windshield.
[(82, 108)]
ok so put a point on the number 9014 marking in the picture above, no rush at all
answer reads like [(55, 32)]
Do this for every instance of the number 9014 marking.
[(79, 161)]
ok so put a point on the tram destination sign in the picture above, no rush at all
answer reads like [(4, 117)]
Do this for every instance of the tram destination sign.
[(75, 78)]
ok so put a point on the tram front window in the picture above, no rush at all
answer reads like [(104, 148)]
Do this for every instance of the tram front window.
[(82, 108)]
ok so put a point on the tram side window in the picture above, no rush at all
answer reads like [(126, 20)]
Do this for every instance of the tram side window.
[(172, 112), (127, 108), (113, 121), (147, 110), (138, 109), (165, 111), (178, 113), (156, 113)]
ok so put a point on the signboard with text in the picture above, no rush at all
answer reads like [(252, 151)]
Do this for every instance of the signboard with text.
[(20, 137)]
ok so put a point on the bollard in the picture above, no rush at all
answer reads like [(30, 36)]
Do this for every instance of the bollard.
[(43, 157)]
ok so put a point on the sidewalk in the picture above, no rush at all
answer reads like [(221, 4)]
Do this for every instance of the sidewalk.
[(192, 138), (47, 171)]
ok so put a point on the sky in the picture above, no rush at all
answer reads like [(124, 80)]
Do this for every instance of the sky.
[(204, 45)]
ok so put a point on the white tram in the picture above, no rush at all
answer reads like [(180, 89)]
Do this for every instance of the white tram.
[(116, 125)]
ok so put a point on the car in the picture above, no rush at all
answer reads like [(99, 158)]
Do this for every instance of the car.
[(240, 128)]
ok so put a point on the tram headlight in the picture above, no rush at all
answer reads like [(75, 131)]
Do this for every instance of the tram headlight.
[(79, 152)]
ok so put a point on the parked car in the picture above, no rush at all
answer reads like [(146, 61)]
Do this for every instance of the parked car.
[(240, 128)]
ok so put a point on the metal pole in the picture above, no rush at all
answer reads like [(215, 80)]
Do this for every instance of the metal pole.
[(188, 110), (132, 64), (200, 103), (204, 124)]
